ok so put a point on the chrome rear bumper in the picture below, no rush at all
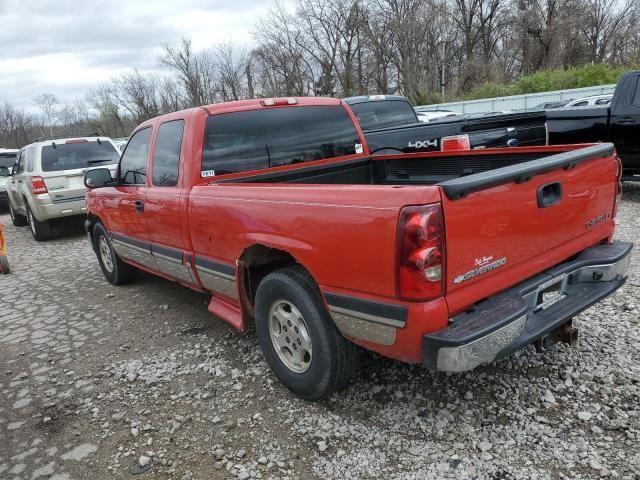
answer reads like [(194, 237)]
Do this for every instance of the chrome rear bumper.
[(527, 312)]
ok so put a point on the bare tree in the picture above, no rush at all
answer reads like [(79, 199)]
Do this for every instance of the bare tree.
[(48, 103)]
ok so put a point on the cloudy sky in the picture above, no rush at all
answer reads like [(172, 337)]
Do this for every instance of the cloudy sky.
[(67, 46)]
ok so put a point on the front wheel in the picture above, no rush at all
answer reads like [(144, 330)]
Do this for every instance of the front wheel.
[(17, 219), (114, 269), (297, 335), (41, 231)]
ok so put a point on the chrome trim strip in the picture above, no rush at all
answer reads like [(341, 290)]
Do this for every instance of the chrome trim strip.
[(218, 283), (351, 326), (167, 258), (215, 272), (131, 246), (370, 318)]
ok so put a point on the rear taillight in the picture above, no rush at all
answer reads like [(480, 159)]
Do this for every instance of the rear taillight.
[(455, 143), (618, 197), (38, 185), (421, 253)]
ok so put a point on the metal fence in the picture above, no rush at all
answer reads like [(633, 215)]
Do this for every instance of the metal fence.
[(518, 102)]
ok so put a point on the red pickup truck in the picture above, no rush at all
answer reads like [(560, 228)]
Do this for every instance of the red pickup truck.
[(276, 209)]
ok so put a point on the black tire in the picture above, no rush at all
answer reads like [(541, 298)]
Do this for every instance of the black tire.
[(41, 231), (120, 272), (4, 265), (333, 361), (17, 219)]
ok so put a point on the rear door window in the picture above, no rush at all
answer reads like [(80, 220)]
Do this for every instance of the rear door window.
[(133, 164), (78, 154), (166, 158), (256, 139)]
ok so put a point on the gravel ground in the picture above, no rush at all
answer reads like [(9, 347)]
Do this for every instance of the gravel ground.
[(110, 382)]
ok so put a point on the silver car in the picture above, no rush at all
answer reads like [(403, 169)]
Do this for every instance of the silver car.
[(47, 179), (7, 159)]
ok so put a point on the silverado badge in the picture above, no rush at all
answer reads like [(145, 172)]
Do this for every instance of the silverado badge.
[(480, 270)]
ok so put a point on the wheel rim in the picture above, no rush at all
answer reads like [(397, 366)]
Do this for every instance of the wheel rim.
[(31, 222), (290, 336), (105, 254)]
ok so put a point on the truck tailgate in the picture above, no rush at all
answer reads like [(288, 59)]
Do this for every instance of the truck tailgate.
[(511, 223)]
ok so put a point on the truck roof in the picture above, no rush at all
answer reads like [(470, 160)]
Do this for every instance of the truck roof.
[(252, 104)]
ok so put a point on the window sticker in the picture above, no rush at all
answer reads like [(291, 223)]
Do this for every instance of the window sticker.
[(208, 173), (359, 148)]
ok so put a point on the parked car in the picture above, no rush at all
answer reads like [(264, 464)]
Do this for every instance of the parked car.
[(120, 143), (381, 111), (47, 180), (618, 123), (549, 105), (590, 101), (277, 209), (7, 159), (427, 116), (390, 126)]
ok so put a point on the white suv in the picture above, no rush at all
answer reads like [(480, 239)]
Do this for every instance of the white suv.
[(7, 159), (48, 179)]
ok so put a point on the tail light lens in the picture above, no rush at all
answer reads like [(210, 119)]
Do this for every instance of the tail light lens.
[(38, 185), (455, 143), (421, 253), (618, 197)]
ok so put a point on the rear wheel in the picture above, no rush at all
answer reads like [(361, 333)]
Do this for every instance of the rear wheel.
[(41, 231), (17, 219), (297, 335), (4, 265), (114, 269)]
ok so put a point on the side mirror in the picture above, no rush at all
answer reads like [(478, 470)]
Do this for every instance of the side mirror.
[(97, 178)]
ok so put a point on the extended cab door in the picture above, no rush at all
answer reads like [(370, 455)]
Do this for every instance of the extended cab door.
[(125, 211), (625, 123), (164, 202)]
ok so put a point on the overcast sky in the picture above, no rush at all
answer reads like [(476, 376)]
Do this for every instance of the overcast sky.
[(68, 46)]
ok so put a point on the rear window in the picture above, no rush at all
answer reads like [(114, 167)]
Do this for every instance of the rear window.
[(69, 156), (383, 114), (7, 159), (255, 139)]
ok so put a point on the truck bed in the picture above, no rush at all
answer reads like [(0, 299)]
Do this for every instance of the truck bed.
[(413, 169)]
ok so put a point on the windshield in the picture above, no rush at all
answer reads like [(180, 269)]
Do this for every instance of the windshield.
[(69, 156), (383, 114)]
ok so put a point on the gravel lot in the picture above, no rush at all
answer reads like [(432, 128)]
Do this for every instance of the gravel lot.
[(109, 382)]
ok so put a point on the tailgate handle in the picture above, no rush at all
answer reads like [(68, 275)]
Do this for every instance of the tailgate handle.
[(139, 206), (549, 194)]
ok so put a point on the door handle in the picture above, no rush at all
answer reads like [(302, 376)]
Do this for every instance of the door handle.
[(139, 206), (549, 194)]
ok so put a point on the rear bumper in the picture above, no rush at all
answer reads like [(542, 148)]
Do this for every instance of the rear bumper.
[(519, 316), (44, 208)]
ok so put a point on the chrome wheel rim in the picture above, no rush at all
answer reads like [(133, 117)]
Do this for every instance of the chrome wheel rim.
[(290, 336), (105, 254), (31, 222)]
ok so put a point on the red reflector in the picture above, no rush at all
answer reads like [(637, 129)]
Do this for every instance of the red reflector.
[(38, 185), (421, 253), (77, 140), (455, 143), (271, 102)]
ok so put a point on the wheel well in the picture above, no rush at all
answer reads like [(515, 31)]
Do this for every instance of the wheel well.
[(93, 219), (255, 263)]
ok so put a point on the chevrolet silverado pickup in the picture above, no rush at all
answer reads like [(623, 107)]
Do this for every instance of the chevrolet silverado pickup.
[(618, 122), (278, 211), (391, 125)]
